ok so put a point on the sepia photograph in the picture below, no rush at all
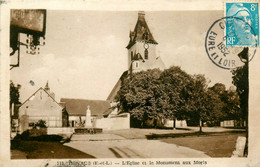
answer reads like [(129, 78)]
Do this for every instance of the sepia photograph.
[(131, 84)]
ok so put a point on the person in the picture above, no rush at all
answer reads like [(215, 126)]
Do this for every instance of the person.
[(239, 25)]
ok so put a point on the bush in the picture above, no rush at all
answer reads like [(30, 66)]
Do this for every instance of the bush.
[(46, 138), (27, 136), (41, 123)]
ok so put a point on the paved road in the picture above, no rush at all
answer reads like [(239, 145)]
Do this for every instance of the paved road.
[(113, 146)]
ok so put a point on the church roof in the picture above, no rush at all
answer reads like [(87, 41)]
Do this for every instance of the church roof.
[(116, 88), (79, 107), (141, 32)]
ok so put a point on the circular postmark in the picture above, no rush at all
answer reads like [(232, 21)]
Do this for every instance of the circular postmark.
[(220, 48)]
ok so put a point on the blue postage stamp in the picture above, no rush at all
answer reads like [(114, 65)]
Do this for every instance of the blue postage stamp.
[(242, 27)]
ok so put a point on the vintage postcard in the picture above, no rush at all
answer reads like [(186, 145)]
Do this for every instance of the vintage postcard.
[(127, 83)]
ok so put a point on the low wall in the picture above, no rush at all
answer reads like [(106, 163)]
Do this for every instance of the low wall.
[(114, 123), (64, 130), (228, 123), (232, 123), (179, 123)]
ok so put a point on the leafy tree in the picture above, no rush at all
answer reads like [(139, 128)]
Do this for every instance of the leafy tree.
[(220, 89), (229, 102), (240, 80), (232, 105), (174, 82), (141, 95), (14, 94), (14, 98), (155, 95), (195, 97), (201, 104), (214, 106)]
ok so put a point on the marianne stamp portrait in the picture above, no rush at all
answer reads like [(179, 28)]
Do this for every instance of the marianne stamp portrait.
[(242, 24)]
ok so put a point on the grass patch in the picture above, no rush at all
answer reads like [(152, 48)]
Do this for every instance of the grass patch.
[(173, 135), (214, 146)]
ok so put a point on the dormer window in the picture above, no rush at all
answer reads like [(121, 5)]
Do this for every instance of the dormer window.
[(146, 54)]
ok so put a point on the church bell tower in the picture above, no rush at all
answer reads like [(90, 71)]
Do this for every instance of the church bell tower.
[(141, 53), (142, 48)]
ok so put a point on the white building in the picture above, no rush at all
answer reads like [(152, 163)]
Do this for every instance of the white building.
[(42, 105)]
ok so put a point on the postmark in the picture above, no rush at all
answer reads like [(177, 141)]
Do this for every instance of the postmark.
[(242, 28), (217, 50)]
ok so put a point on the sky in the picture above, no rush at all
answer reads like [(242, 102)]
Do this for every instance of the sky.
[(85, 51)]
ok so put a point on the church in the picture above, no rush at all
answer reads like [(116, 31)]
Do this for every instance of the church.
[(141, 52), (141, 57)]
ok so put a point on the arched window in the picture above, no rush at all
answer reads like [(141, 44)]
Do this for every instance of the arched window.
[(146, 54)]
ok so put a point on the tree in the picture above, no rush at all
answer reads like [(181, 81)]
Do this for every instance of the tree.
[(214, 106), (232, 107), (195, 96), (154, 95), (141, 95), (240, 80), (175, 82), (14, 94), (14, 98), (229, 101), (220, 89), (201, 104)]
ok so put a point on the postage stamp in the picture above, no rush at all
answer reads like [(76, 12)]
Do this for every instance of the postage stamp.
[(234, 35), (220, 54), (242, 27)]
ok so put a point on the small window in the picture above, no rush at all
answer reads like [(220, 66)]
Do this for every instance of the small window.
[(137, 64), (132, 55), (146, 54)]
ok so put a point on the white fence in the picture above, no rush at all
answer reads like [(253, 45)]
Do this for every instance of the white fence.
[(232, 123), (114, 123), (63, 130), (179, 123)]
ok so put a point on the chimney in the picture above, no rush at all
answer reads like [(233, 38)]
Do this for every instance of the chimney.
[(47, 88)]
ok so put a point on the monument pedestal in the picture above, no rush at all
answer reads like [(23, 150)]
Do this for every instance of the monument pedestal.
[(88, 123)]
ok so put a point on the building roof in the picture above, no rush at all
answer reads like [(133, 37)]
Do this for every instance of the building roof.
[(79, 106), (112, 95), (141, 32), (50, 96)]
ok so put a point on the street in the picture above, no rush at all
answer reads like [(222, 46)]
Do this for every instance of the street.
[(114, 146)]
